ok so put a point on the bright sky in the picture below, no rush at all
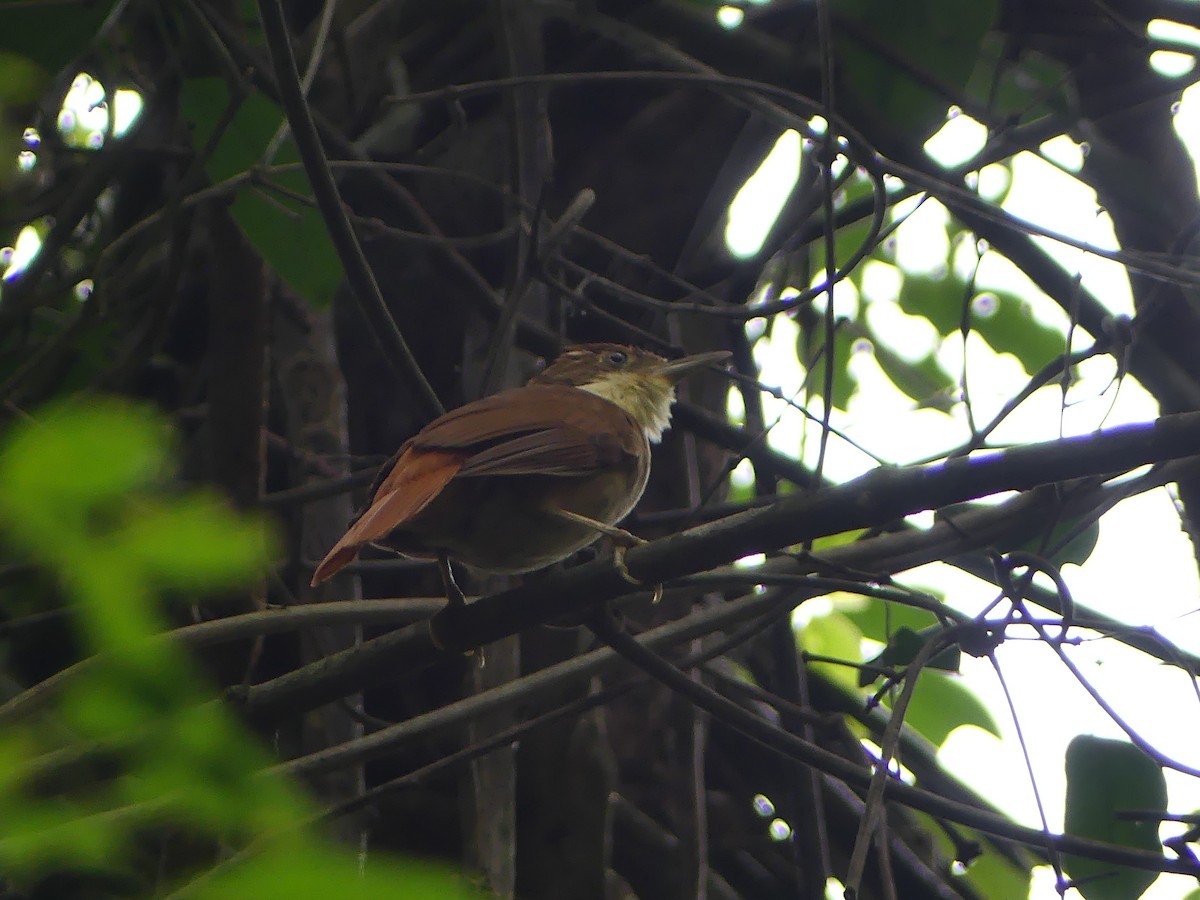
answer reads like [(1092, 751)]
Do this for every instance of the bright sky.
[(1159, 702)]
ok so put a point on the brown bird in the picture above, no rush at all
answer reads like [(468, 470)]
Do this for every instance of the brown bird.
[(524, 478)]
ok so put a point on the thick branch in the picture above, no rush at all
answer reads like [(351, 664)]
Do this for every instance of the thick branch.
[(878, 497)]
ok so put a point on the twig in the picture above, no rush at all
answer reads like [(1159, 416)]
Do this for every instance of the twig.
[(358, 272)]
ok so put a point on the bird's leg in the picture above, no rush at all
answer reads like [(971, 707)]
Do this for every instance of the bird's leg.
[(620, 536), (454, 595), (456, 603), (622, 541)]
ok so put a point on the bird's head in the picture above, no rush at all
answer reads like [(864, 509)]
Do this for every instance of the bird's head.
[(640, 382)]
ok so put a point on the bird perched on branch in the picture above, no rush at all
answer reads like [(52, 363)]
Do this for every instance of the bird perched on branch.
[(524, 478)]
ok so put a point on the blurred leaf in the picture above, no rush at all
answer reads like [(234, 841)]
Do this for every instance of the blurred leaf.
[(1076, 551), (844, 384), (1009, 327), (290, 235), (924, 381), (740, 493), (38, 836), (48, 34), (81, 455), (829, 541), (849, 239), (835, 636), (21, 80), (992, 875), (1022, 90), (1104, 778), (321, 873), (902, 648), (197, 542), (1013, 328), (940, 703), (879, 619), (940, 300), (880, 47), (77, 488)]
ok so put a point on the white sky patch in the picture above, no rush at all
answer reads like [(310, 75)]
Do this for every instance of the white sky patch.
[(994, 180), (1168, 30), (83, 119), (879, 412), (1064, 151), (912, 338), (845, 297), (26, 248), (757, 205), (1167, 62), (127, 106), (922, 244), (1187, 122), (730, 17), (958, 141), (743, 474), (1172, 64), (881, 281), (1073, 212)]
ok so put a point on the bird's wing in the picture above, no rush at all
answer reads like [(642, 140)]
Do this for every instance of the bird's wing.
[(554, 430), (560, 450)]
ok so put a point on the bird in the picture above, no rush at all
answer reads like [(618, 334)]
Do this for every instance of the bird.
[(521, 479)]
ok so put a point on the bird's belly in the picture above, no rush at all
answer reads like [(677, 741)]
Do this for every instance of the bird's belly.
[(505, 524)]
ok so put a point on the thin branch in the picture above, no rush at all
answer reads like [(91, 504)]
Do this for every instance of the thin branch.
[(773, 738), (880, 496), (358, 272)]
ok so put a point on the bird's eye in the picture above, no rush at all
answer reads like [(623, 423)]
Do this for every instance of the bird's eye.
[(617, 358)]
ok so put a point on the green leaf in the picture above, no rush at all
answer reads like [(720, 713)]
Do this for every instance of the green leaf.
[(940, 300), (849, 239), (882, 45), (196, 543), (879, 619), (21, 80), (940, 703), (902, 648), (924, 381), (290, 235), (844, 384), (1077, 550), (835, 636), (1009, 326), (283, 875), (1104, 778), (841, 539), (1013, 328), (1023, 90), (992, 875), (81, 455)]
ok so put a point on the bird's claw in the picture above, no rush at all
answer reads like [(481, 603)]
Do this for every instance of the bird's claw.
[(619, 561)]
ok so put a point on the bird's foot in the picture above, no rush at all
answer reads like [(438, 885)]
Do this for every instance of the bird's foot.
[(456, 604), (619, 551)]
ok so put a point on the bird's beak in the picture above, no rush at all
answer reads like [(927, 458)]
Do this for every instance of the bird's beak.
[(675, 369)]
